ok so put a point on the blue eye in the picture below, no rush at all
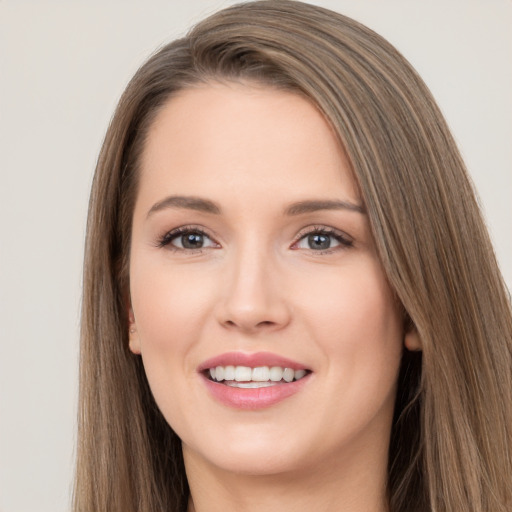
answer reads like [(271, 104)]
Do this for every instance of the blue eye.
[(187, 239), (190, 241), (318, 241), (323, 239)]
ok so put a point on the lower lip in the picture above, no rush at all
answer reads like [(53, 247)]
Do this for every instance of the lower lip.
[(253, 398)]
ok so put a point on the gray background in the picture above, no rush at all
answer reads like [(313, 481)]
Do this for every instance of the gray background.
[(63, 65)]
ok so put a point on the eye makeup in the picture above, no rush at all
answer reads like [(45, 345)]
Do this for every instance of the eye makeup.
[(318, 239)]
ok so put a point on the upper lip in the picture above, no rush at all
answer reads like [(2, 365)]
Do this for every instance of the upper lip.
[(252, 360)]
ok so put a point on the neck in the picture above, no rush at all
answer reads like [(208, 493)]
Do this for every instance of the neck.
[(353, 487)]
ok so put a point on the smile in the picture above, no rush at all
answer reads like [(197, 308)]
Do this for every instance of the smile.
[(253, 381), (258, 377)]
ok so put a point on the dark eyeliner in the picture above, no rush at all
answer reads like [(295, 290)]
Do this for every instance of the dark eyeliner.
[(167, 239), (345, 241)]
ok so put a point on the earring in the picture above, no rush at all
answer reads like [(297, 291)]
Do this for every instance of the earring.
[(132, 330)]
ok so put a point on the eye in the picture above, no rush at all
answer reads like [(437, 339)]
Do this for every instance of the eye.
[(188, 239), (321, 239)]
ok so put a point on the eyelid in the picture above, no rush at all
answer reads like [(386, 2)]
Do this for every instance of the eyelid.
[(345, 240), (165, 241)]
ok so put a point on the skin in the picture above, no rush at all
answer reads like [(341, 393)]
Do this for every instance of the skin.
[(258, 285)]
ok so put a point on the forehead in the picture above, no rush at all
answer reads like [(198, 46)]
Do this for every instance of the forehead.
[(241, 138)]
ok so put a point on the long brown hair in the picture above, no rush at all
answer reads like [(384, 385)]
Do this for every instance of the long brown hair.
[(451, 444)]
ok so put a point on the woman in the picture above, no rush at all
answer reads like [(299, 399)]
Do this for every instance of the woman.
[(290, 298)]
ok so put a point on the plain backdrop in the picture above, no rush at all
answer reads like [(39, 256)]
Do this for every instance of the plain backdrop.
[(63, 65)]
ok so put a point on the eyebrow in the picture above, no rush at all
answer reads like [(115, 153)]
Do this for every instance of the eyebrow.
[(298, 208), (188, 202), (316, 205)]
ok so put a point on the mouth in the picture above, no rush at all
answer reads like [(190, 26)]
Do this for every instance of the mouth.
[(253, 381), (246, 377)]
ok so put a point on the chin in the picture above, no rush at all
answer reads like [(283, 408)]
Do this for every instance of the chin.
[(251, 455), (265, 464)]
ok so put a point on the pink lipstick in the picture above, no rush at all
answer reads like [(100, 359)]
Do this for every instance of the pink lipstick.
[(253, 381), (252, 360)]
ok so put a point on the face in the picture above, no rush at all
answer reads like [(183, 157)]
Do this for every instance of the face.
[(270, 337)]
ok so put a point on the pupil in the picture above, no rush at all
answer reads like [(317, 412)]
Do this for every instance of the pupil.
[(317, 241), (192, 240)]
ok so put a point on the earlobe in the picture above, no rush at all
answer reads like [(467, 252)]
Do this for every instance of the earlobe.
[(133, 335), (412, 340)]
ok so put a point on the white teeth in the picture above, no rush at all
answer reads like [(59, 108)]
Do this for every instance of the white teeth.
[(229, 373), (260, 376), (276, 373), (247, 385), (299, 374), (242, 373), (288, 374), (219, 373)]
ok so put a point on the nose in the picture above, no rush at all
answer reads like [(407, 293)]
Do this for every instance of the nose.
[(254, 299)]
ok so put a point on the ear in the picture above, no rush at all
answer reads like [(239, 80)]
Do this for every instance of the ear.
[(412, 340), (133, 335)]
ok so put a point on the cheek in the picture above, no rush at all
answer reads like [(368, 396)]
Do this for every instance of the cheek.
[(170, 309), (169, 303), (356, 324), (355, 318)]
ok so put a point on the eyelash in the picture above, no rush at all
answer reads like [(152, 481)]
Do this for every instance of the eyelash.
[(343, 239), (169, 237)]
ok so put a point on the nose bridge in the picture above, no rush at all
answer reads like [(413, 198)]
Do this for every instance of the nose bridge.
[(253, 299)]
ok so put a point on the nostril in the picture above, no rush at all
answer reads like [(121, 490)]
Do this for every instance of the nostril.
[(252, 319), (259, 325), (265, 323)]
